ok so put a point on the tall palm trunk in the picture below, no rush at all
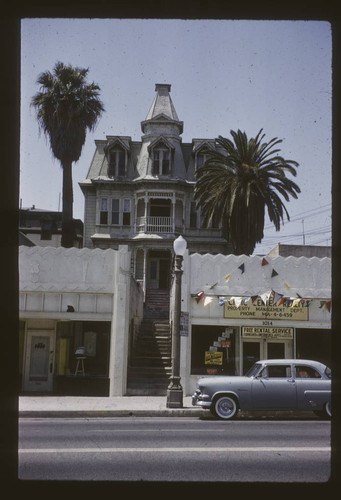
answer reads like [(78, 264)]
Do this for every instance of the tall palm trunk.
[(68, 231)]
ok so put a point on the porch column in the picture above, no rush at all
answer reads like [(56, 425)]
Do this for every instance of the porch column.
[(144, 270), (173, 214)]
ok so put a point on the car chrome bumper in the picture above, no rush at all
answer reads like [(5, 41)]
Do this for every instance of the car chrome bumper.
[(197, 400)]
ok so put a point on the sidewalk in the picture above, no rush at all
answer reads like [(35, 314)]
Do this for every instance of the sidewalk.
[(128, 406), (73, 406)]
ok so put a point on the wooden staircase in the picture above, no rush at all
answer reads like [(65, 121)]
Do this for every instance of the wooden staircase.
[(156, 304), (151, 360), (150, 366)]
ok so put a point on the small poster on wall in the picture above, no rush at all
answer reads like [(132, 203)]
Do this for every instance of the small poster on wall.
[(213, 358)]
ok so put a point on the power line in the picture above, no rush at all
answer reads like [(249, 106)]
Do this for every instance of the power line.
[(306, 214)]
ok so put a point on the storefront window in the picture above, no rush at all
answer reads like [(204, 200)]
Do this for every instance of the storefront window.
[(313, 343), (94, 336), (213, 350)]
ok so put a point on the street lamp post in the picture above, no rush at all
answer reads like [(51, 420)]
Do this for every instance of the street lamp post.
[(174, 391)]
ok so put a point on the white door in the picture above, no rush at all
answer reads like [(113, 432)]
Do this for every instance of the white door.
[(39, 363)]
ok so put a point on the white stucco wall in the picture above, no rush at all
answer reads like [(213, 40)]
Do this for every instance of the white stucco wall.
[(96, 283), (308, 278), (66, 270)]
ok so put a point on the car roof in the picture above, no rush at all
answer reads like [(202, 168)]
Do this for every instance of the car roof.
[(291, 361)]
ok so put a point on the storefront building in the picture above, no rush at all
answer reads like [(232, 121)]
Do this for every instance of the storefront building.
[(240, 309), (79, 310)]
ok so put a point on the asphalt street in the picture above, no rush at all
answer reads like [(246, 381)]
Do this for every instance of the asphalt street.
[(163, 449)]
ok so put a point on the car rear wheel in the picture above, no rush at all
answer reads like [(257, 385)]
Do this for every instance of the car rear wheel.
[(328, 409), (326, 412), (225, 407)]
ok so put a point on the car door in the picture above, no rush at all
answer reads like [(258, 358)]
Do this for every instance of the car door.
[(274, 388), (311, 386)]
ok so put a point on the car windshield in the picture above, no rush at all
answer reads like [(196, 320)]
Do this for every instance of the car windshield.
[(253, 370)]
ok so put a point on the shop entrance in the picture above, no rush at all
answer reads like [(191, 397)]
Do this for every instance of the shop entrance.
[(254, 350), (39, 360)]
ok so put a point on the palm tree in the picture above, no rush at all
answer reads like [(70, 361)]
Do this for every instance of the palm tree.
[(237, 182), (66, 107)]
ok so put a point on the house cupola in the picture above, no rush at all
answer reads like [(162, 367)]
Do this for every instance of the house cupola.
[(162, 114)]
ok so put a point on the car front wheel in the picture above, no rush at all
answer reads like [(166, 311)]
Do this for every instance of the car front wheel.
[(225, 407)]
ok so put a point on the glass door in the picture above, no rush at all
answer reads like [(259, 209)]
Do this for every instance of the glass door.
[(256, 349), (252, 352), (278, 349)]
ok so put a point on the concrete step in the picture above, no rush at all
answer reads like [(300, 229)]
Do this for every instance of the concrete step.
[(152, 361)]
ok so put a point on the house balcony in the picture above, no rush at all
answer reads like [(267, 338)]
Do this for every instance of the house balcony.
[(155, 225)]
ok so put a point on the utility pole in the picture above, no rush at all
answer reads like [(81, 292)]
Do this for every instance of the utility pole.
[(303, 232)]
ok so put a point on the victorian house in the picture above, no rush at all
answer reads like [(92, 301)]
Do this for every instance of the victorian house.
[(140, 194)]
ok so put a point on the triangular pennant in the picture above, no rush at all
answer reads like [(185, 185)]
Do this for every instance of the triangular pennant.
[(228, 277), (328, 304), (200, 296), (322, 303), (211, 287), (242, 268), (265, 297), (238, 301), (264, 262), (281, 301), (286, 284), (274, 273), (254, 298), (277, 297), (222, 301), (207, 300)]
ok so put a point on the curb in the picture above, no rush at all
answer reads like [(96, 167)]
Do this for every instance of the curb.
[(181, 412), (112, 413)]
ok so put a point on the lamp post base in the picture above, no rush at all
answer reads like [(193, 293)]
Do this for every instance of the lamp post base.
[(174, 394)]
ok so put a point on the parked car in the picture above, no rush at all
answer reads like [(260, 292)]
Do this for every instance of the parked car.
[(272, 384)]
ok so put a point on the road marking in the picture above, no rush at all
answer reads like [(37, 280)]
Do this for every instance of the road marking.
[(178, 450)]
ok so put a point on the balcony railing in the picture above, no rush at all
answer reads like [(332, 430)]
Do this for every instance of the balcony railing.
[(154, 225)]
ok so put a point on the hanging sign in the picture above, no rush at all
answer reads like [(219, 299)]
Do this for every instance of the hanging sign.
[(267, 332), (259, 310), (184, 320), (213, 358)]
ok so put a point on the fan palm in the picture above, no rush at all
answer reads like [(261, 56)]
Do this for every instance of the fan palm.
[(67, 106), (237, 181)]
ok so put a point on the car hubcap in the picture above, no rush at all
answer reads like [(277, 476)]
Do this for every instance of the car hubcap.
[(226, 407)]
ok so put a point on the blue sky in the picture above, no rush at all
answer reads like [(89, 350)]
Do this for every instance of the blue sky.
[(225, 74)]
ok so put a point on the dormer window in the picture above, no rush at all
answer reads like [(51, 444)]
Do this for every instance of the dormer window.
[(201, 158), (161, 162), (117, 162)]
